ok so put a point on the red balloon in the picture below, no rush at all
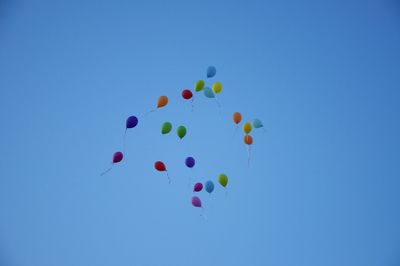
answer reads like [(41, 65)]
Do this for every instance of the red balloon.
[(160, 166), (117, 157), (187, 94)]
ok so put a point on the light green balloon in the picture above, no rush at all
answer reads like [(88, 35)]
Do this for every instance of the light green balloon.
[(181, 131), (208, 92), (199, 85), (166, 128), (223, 180)]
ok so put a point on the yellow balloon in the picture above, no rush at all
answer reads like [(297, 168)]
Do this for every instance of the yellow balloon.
[(217, 87), (247, 127)]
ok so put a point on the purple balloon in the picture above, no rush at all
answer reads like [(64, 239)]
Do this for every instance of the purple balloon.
[(190, 162), (198, 187), (196, 202), (131, 122)]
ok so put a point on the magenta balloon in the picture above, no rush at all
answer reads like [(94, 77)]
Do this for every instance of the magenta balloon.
[(198, 187), (196, 202), (117, 157)]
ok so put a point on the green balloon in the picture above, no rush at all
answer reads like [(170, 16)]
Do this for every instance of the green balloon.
[(166, 128), (181, 131), (223, 180), (199, 85)]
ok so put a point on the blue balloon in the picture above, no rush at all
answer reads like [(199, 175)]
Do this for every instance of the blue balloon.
[(208, 92), (190, 162), (211, 71), (209, 186), (257, 123), (131, 122)]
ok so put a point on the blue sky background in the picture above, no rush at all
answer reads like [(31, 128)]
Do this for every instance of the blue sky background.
[(323, 186)]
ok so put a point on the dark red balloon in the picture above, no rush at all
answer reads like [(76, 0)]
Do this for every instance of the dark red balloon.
[(117, 157), (160, 166), (187, 94)]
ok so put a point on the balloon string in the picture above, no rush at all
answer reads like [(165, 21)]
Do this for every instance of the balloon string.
[(106, 171), (248, 159), (124, 141), (202, 214), (191, 103), (236, 130), (151, 111), (169, 179), (216, 100)]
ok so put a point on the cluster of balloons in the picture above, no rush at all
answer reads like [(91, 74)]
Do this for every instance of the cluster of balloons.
[(247, 128), (181, 131)]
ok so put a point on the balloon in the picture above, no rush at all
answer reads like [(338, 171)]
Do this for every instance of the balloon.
[(160, 166), (198, 187), (208, 92), (187, 94), (162, 101), (223, 180), (211, 71), (166, 128), (117, 157), (209, 186), (257, 123), (181, 131), (217, 87), (190, 162), (199, 85), (247, 127), (248, 139), (131, 122), (237, 117), (196, 202)]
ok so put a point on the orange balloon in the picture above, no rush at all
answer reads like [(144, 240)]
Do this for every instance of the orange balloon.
[(162, 101), (237, 117), (248, 139)]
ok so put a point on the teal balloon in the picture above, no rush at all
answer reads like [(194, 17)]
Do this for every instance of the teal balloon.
[(257, 123), (208, 92), (209, 186), (211, 71)]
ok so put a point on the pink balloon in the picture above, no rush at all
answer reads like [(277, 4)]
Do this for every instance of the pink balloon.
[(196, 202), (198, 187)]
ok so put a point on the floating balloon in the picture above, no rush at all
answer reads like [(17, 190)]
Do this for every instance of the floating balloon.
[(223, 180), (166, 128), (160, 166), (162, 101), (211, 71), (198, 187), (181, 131), (190, 162), (248, 139), (199, 85), (247, 128), (217, 87), (187, 94), (209, 186), (209, 93), (131, 122), (196, 202), (257, 123), (117, 157), (237, 117)]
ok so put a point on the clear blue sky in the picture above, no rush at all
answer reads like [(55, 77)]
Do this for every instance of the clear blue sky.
[(323, 186)]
